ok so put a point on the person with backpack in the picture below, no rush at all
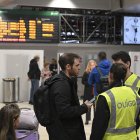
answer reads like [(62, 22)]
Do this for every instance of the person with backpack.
[(65, 110), (117, 109), (98, 73)]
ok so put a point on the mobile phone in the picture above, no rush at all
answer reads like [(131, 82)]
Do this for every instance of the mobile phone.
[(92, 100)]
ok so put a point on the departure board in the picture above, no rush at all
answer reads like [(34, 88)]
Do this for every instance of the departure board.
[(29, 26)]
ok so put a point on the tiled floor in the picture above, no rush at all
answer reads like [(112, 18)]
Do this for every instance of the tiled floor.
[(42, 131)]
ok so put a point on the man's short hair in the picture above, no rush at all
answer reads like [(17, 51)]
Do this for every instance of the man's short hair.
[(124, 56), (119, 72), (67, 58), (102, 56)]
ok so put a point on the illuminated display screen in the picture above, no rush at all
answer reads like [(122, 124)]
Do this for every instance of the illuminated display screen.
[(29, 26)]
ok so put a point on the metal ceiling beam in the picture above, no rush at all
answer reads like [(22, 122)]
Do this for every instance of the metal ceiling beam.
[(94, 31), (71, 27), (4, 3)]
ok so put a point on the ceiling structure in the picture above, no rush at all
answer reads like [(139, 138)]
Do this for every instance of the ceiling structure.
[(7, 3), (82, 4), (126, 6), (130, 6)]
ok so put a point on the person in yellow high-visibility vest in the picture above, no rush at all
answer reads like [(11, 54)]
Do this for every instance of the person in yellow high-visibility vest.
[(117, 109), (131, 79)]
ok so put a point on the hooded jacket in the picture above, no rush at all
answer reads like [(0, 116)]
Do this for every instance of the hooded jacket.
[(94, 77)]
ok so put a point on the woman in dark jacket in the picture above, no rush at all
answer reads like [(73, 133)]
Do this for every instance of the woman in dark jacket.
[(88, 90)]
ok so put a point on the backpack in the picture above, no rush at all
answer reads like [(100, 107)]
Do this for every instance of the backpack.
[(42, 101), (103, 85)]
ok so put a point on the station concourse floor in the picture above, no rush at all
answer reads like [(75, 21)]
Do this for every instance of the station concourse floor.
[(42, 131)]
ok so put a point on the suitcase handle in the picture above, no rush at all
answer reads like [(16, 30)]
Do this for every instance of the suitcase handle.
[(25, 108)]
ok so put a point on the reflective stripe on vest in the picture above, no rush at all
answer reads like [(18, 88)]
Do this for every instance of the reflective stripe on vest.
[(113, 110), (111, 128), (134, 85), (121, 130), (138, 105)]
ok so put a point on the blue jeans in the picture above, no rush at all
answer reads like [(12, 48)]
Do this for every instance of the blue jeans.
[(34, 87)]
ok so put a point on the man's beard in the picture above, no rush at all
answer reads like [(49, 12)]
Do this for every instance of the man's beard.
[(72, 73)]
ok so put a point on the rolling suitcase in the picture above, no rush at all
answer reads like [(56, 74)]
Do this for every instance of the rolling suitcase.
[(28, 120), (28, 125), (27, 135)]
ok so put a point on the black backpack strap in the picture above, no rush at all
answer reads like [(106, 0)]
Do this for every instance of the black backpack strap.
[(53, 79), (100, 72)]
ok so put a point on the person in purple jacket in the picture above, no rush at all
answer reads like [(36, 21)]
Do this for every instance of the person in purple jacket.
[(104, 66)]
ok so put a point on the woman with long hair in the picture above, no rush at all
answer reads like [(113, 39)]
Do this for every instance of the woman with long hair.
[(88, 90), (9, 120)]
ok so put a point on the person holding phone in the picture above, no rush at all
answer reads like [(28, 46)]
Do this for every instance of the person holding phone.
[(66, 110)]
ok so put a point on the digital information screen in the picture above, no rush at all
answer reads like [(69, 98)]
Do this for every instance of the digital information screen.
[(29, 26)]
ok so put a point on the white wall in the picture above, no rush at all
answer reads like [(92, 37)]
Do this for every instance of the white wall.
[(84, 4), (51, 50), (132, 6), (115, 5), (15, 63), (127, 5), (135, 62)]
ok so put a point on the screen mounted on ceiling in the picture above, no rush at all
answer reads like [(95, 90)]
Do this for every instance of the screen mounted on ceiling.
[(131, 30)]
